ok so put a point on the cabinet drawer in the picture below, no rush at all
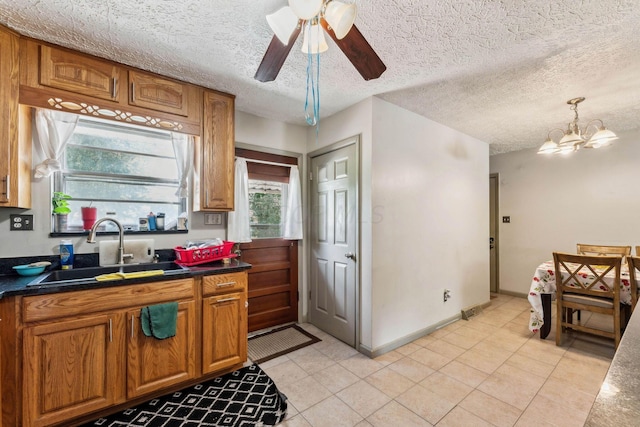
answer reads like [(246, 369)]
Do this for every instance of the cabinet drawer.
[(78, 73), (57, 305), (223, 283), (160, 94)]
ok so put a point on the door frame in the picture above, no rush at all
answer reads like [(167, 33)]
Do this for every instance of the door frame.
[(494, 180), (355, 139)]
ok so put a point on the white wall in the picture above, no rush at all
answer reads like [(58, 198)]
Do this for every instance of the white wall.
[(424, 218), (556, 202), (430, 197)]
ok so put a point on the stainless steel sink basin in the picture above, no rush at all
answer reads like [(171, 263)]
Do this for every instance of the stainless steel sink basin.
[(79, 275)]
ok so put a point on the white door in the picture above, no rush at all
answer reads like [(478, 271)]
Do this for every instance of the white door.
[(333, 266)]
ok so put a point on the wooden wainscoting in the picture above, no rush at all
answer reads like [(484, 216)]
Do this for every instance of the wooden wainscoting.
[(273, 282)]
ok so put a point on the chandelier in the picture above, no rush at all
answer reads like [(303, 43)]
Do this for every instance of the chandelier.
[(592, 135)]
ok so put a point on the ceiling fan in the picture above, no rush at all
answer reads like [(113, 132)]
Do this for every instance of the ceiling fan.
[(336, 18)]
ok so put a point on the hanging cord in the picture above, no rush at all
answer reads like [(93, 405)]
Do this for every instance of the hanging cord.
[(313, 85)]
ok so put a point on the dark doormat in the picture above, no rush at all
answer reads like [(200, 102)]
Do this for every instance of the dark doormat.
[(279, 341), (243, 398)]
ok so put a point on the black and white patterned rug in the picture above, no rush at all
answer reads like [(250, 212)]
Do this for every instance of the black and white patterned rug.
[(243, 398)]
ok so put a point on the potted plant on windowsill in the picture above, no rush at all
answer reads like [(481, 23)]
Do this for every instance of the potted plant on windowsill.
[(60, 210)]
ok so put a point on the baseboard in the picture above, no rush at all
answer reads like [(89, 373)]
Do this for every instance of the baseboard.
[(406, 339), (514, 294)]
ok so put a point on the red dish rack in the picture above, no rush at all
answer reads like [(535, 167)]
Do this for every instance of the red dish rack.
[(195, 256)]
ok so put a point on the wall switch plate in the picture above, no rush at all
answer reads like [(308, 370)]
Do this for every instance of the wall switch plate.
[(506, 219), (21, 222), (213, 219)]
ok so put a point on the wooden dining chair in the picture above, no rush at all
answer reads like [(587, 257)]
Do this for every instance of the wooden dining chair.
[(581, 285), (637, 250), (634, 273), (600, 250)]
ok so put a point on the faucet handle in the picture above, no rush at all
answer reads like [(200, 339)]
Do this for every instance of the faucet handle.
[(127, 256)]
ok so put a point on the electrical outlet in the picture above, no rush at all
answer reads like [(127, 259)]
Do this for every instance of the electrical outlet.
[(21, 222), (506, 219), (213, 219), (447, 295)]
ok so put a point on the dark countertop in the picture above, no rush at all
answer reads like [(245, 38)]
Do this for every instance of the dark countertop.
[(13, 284), (617, 403)]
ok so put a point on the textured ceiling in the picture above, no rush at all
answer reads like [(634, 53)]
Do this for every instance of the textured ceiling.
[(500, 71)]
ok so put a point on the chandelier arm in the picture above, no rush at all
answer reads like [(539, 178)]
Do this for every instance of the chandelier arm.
[(592, 123), (553, 130)]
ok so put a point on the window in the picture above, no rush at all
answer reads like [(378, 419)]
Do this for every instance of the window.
[(125, 171), (268, 191)]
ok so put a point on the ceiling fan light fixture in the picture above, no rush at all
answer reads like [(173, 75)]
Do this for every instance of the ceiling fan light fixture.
[(340, 17), (313, 41), (306, 9), (283, 22)]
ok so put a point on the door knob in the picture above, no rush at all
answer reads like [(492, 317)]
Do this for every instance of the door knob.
[(350, 255)]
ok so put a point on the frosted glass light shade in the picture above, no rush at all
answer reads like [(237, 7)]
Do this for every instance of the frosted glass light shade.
[(549, 147), (570, 139), (305, 9), (283, 23), (601, 138), (340, 17), (314, 39)]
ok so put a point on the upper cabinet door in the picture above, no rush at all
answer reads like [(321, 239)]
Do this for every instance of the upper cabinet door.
[(78, 73), (160, 94)]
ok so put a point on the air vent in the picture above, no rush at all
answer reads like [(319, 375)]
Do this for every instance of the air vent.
[(469, 312)]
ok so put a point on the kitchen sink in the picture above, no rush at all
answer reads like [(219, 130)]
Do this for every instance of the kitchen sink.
[(88, 274)]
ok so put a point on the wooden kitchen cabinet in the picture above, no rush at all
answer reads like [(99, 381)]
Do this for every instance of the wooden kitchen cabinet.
[(154, 364), (151, 91), (71, 367), (224, 321), (84, 351), (81, 74), (214, 187), (15, 129)]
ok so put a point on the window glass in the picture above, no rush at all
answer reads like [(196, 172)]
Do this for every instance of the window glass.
[(266, 205), (125, 171)]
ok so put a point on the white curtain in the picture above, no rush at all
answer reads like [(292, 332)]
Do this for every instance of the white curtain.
[(239, 225), (183, 146), (293, 212), (54, 129)]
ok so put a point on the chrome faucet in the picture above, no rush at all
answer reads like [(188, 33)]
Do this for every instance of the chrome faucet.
[(92, 237)]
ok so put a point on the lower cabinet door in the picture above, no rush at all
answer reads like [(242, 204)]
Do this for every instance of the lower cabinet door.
[(224, 331), (71, 367), (153, 364)]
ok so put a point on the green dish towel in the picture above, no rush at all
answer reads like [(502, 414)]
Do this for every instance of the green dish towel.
[(159, 321)]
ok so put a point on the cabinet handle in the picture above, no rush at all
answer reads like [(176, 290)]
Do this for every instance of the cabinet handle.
[(114, 88), (110, 330), (133, 92), (227, 300), (225, 284), (133, 319), (7, 186)]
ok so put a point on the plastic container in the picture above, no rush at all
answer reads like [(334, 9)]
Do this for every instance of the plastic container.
[(66, 254), (160, 221), (195, 256), (152, 221)]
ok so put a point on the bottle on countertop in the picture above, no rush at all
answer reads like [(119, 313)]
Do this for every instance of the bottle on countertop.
[(152, 221), (66, 254)]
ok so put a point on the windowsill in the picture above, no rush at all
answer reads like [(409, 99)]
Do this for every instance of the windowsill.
[(115, 233)]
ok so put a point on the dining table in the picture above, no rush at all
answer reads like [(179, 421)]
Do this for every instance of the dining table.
[(543, 291)]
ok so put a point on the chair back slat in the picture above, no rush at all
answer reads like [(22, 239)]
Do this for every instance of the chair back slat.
[(585, 274), (600, 250)]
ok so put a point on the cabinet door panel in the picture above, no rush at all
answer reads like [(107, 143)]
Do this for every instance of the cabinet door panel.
[(154, 364), (77, 73), (70, 368), (218, 144), (160, 94), (224, 331)]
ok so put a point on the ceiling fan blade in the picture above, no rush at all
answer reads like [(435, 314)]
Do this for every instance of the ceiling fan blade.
[(275, 56), (359, 52)]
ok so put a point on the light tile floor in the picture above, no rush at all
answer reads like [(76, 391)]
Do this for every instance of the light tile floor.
[(487, 371)]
